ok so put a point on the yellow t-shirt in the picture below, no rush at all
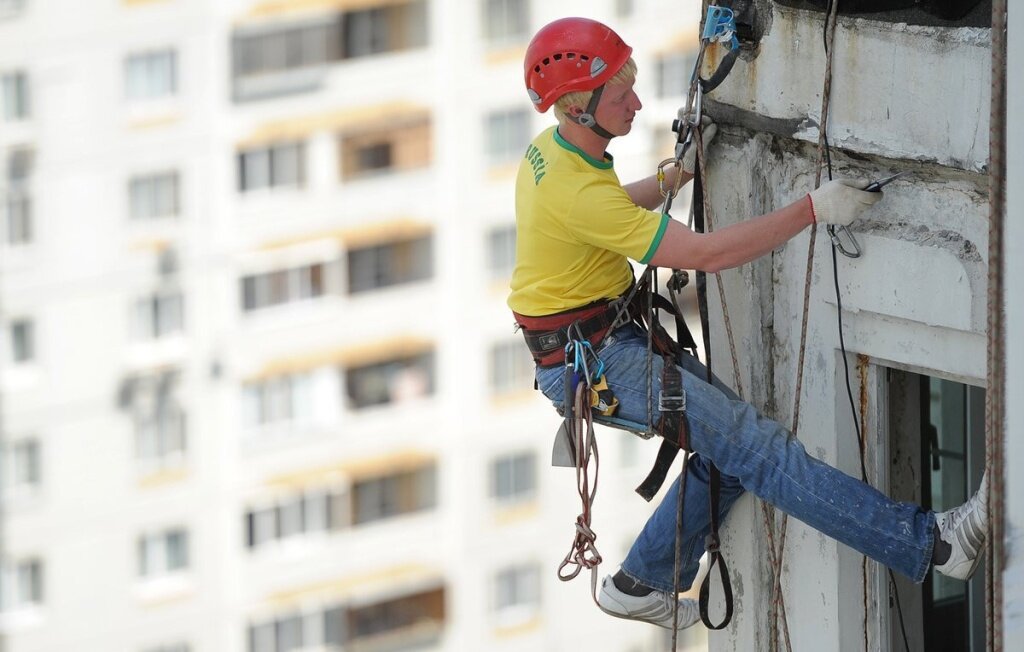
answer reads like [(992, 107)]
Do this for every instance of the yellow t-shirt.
[(575, 228)]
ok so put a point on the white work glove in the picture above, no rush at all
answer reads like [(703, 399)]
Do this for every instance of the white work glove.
[(708, 130), (841, 201)]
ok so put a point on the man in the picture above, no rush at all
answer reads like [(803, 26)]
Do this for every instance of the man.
[(576, 228)]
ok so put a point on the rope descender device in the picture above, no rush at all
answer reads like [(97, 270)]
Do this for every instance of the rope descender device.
[(719, 27)]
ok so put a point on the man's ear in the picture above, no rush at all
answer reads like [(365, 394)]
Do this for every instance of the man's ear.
[(574, 111)]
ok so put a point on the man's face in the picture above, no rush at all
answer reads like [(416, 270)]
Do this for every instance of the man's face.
[(617, 107)]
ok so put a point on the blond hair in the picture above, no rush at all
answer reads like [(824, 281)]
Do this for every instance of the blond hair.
[(625, 75)]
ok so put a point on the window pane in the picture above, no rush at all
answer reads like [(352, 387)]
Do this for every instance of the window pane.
[(22, 341), (501, 249), (177, 550), (151, 75), (14, 100)]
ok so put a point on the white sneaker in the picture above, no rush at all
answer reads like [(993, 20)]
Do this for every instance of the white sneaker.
[(654, 608), (964, 529)]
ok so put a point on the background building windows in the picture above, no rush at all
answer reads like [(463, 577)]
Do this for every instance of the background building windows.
[(23, 341), (22, 468), (170, 647), (517, 591), (16, 197), (281, 399), (153, 196), (14, 95), (514, 477), (505, 20), (390, 381), (384, 29), (282, 286), (391, 263), (281, 165), (163, 553), (512, 367), (501, 251), (294, 516), (404, 145), (21, 584), (396, 494), (151, 75), (157, 416), (507, 135), (159, 314), (673, 73)]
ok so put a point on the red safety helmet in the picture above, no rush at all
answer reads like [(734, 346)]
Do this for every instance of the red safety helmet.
[(569, 55)]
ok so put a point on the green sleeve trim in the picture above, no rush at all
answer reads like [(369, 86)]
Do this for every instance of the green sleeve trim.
[(657, 239)]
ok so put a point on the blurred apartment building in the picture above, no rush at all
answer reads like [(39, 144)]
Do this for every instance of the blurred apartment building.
[(259, 388)]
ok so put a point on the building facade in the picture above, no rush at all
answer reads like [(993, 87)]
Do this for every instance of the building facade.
[(259, 388)]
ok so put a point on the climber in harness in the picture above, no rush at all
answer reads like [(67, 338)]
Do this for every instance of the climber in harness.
[(573, 294)]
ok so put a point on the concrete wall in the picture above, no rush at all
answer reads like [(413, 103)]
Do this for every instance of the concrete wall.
[(915, 300)]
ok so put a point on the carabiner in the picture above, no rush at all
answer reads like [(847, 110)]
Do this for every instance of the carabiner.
[(833, 232)]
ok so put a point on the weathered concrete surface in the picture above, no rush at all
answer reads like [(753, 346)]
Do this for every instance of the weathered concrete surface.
[(915, 300), (901, 91)]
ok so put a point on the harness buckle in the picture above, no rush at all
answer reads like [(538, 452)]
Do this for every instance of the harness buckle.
[(672, 402)]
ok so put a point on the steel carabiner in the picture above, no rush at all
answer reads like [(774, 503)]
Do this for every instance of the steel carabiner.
[(833, 232)]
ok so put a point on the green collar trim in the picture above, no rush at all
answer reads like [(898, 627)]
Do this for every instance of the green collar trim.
[(601, 165)]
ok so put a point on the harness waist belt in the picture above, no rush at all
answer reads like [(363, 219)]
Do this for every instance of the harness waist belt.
[(547, 336)]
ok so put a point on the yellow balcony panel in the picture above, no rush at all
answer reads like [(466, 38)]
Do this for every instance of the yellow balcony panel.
[(358, 355), (361, 118), (289, 8), (372, 586), (353, 470)]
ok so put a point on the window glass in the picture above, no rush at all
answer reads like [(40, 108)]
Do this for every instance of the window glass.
[(389, 264), (392, 381), (150, 75), (501, 251), (507, 135), (14, 95), (505, 20)]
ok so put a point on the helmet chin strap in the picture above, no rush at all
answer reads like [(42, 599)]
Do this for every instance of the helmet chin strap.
[(587, 118)]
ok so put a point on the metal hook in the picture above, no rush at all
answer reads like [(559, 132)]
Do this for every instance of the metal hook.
[(833, 232)]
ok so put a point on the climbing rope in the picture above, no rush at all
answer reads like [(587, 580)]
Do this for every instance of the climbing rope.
[(778, 608)]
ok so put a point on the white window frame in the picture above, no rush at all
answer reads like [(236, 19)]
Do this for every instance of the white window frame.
[(22, 584), (157, 556), (15, 95), (505, 21), (517, 593), (508, 135), (151, 74), (501, 250), (22, 341), (517, 470), (159, 314), (154, 196), (511, 366)]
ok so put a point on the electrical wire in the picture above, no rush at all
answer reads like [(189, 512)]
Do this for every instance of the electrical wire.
[(846, 365)]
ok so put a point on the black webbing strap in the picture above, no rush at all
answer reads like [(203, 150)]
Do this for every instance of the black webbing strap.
[(713, 540), (715, 558), (671, 426)]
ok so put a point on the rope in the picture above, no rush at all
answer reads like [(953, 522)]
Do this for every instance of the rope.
[(996, 371), (778, 603)]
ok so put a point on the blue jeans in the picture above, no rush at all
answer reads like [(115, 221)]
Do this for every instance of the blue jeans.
[(754, 454)]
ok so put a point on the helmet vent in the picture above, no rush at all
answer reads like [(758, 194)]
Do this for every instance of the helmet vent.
[(558, 57), (570, 55), (546, 61)]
